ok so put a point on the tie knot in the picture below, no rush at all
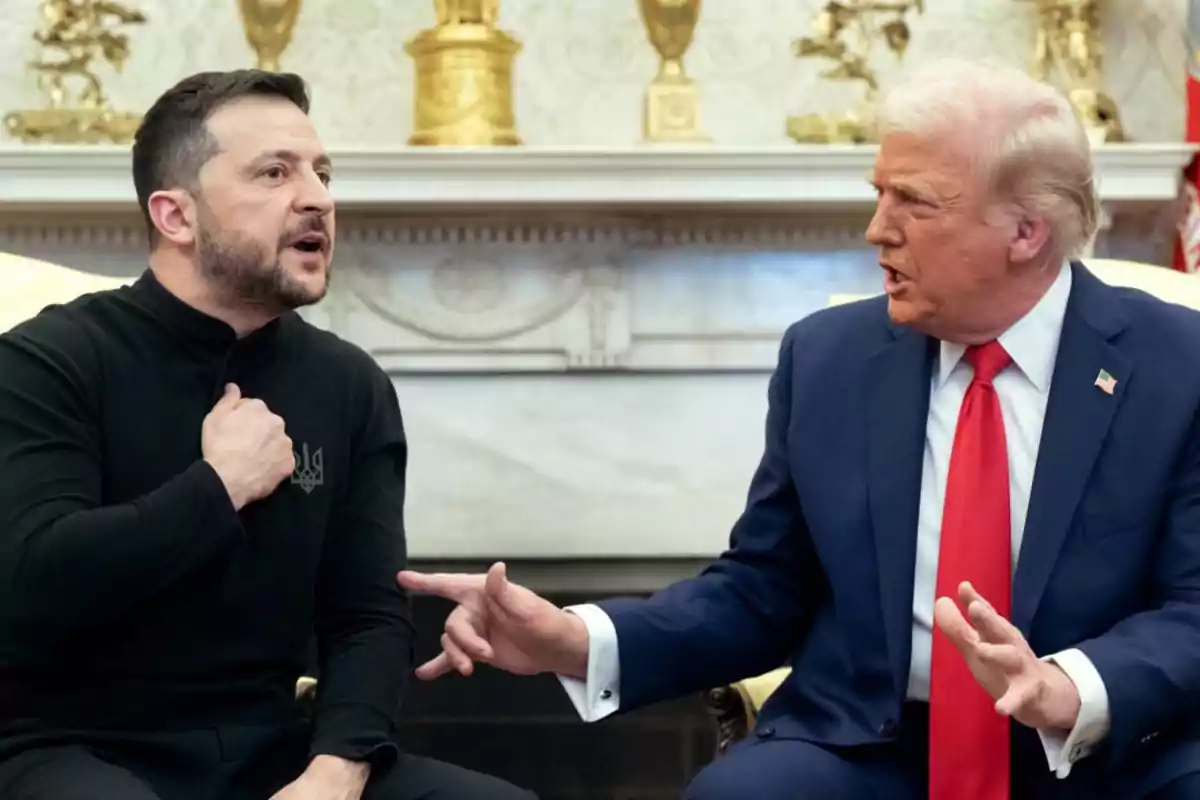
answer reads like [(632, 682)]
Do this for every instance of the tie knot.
[(988, 359)]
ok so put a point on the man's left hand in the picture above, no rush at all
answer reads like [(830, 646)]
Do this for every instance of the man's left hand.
[(1035, 693), (327, 778)]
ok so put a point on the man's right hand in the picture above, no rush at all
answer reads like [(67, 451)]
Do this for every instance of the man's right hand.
[(247, 446), (501, 624)]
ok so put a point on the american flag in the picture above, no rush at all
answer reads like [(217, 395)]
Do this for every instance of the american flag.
[(1106, 382), (1187, 244)]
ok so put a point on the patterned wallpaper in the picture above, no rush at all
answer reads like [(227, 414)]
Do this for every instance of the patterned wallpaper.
[(585, 63)]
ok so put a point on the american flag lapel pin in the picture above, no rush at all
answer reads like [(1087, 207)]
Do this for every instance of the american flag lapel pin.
[(1106, 382)]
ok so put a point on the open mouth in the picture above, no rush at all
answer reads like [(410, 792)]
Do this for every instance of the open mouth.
[(893, 279), (310, 243)]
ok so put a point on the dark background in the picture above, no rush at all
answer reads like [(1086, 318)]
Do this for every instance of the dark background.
[(525, 730)]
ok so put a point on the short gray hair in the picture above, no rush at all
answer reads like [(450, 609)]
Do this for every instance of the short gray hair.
[(1025, 139)]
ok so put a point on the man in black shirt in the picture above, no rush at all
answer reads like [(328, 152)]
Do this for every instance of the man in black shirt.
[(194, 481)]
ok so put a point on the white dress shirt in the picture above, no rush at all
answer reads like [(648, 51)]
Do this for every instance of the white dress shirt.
[(1023, 390)]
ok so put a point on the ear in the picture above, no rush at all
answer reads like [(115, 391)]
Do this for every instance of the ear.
[(174, 215), (1030, 236)]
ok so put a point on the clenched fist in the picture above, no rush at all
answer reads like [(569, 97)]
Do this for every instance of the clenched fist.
[(247, 446)]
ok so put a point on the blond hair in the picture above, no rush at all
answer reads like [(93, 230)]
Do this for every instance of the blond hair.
[(1022, 135)]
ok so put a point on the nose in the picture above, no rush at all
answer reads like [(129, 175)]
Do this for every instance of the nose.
[(881, 231), (314, 196)]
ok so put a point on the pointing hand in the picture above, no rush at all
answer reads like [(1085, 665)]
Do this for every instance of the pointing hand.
[(502, 624)]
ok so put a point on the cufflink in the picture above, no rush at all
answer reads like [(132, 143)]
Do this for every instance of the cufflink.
[(606, 694)]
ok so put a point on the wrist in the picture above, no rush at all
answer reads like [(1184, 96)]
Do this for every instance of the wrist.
[(1066, 703), (576, 647), (337, 769), (236, 497)]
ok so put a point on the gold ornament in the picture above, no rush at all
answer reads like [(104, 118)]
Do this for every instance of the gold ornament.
[(671, 112), (1068, 40), (73, 34), (464, 72), (833, 27), (268, 25)]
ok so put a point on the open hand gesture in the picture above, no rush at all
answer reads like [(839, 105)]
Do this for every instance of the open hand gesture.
[(1035, 693)]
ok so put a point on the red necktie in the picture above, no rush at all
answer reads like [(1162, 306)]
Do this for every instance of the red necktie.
[(968, 740)]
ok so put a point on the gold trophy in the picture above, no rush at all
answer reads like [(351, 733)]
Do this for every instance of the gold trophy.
[(464, 69), (73, 34), (1068, 37), (672, 110), (268, 25), (833, 27)]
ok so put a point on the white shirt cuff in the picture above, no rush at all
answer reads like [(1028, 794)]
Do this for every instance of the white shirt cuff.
[(1093, 721), (598, 696)]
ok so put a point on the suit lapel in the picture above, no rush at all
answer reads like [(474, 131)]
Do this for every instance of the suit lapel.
[(897, 403), (1078, 416)]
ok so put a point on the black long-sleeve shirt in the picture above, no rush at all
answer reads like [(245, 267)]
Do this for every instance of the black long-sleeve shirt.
[(132, 594)]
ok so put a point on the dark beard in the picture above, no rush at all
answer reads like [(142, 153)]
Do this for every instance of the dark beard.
[(236, 269)]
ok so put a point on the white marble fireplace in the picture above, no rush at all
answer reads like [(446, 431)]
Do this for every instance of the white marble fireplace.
[(580, 339)]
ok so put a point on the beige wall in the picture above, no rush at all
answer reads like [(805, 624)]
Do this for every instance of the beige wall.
[(586, 62)]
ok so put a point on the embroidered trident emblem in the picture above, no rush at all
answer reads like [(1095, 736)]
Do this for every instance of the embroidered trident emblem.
[(310, 469)]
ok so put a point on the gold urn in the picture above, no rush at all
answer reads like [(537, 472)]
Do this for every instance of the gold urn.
[(671, 112), (463, 75), (268, 25)]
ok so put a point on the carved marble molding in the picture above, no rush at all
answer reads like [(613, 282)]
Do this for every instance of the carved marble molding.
[(556, 292), (662, 290), (802, 179)]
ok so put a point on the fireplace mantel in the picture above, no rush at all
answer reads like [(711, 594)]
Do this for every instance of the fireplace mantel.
[(580, 338), (798, 177)]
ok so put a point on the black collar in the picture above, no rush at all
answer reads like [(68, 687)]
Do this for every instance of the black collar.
[(197, 329)]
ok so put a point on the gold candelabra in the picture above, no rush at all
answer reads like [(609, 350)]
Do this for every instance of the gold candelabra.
[(844, 33), (72, 35), (1068, 42), (268, 25), (671, 110), (464, 72)]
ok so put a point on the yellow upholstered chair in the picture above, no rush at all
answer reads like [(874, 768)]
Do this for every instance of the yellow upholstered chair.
[(736, 706), (1162, 282), (28, 285)]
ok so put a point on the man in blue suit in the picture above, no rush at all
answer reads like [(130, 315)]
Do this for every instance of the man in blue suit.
[(975, 529)]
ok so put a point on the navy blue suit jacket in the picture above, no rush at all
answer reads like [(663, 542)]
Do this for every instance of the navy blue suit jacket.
[(820, 567)]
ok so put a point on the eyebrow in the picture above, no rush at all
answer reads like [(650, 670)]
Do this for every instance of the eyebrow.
[(292, 157), (918, 188)]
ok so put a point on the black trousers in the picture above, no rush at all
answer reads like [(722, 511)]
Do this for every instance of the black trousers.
[(227, 763)]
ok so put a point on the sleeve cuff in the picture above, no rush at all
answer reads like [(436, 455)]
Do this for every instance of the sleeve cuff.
[(598, 696), (1093, 722), (355, 732)]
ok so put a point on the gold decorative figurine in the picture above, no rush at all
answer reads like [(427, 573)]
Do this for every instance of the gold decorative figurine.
[(268, 25), (1068, 40), (672, 110), (464, 70), (73, 34), (835, 26)]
